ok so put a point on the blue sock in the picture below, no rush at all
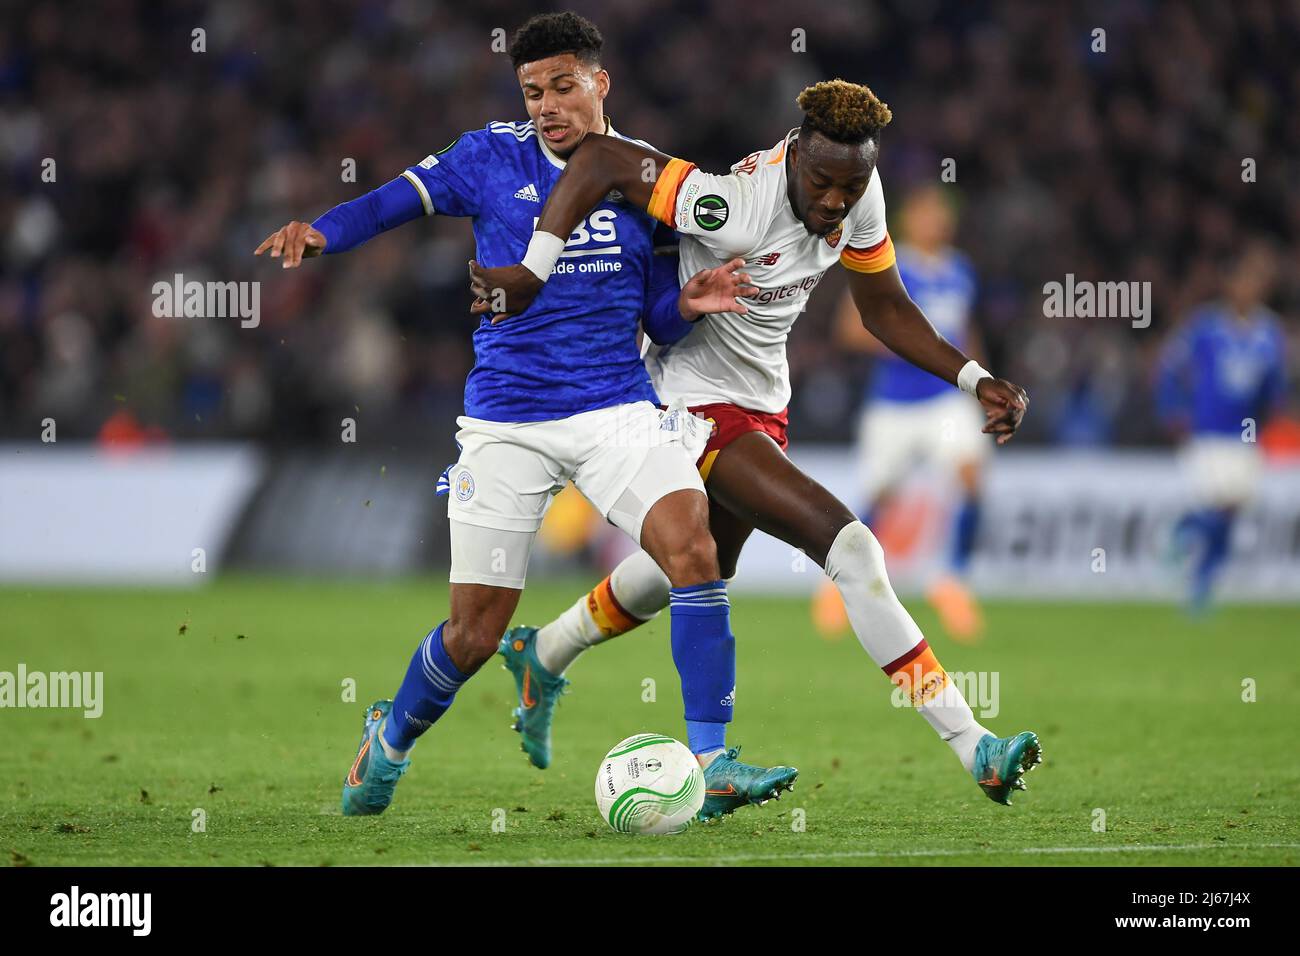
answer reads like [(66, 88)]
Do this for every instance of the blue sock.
[(965, 523), (706, 736), (427, 691), (1214, 526), (704, 651)]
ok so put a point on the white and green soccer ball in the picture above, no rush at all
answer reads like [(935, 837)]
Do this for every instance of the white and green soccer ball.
[(649, 784)]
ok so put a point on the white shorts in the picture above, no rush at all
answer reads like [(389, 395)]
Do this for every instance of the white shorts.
[(895, 437), (622, 459), (1222, 471)]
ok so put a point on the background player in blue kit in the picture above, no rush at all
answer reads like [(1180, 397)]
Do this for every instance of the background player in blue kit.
[(1222, 374), (557, 393), (912, 417)]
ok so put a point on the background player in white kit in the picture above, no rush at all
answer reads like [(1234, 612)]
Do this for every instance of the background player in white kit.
[(912, 418), (790, 211)]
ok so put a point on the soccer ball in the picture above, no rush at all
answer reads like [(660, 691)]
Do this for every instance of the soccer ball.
[(649, 783)]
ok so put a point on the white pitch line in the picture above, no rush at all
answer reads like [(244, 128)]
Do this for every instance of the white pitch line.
[(874, 854)]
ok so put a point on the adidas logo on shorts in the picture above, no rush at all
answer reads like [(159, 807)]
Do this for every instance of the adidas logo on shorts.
[(529, 192)]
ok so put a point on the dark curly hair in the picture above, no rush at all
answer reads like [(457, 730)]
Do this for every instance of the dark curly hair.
[(550, 34), (842, 111)]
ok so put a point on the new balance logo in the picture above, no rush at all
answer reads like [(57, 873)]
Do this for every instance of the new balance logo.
[(529, 192), (767, 259)]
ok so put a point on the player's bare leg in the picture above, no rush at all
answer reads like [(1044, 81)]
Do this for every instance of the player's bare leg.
[(675, 534), (753, 484), (479, 613), (675, 553), (754, 480), (950, 595), (629, 596), (446, 658)]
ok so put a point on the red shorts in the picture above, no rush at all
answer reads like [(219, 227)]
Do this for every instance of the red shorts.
[(732, 421)]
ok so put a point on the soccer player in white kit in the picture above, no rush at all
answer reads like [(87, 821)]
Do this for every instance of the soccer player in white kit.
[(790, 212)]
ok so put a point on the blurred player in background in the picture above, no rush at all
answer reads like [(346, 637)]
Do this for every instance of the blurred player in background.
[(791, 211), (1221, 376), (557, 394), (913, 418)]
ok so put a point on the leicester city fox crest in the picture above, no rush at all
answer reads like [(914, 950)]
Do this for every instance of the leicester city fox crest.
[(464, 485)]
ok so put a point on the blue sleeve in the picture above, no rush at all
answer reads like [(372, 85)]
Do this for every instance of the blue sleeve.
[(447, 182), (1171, 373), (662, 320), (450, 182), (349, 224)]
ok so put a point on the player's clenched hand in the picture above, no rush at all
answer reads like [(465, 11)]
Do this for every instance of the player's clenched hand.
[(503, 290), (1004, 407), (295, 242), (716, 290)]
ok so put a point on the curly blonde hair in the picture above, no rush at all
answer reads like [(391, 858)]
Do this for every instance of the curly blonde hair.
[(843, 111)]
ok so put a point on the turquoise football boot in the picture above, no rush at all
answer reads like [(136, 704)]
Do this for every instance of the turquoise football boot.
[(730, 784), (1002, 762), (368, 787), (538, 691)]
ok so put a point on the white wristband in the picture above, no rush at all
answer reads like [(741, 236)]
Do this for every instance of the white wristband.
[(543, 252), (969, 376)]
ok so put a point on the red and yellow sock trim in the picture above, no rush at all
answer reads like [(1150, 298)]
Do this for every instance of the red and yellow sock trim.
[(663, 201), (876, 259), (918, 673), (609, 615)]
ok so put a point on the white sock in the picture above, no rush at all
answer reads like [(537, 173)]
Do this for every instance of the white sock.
[(963, 743), (856, 563), (397, 756), (634, 592), (707, 758)]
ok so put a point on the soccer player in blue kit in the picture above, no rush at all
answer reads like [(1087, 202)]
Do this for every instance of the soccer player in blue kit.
[(1221, 375), (558, 393)]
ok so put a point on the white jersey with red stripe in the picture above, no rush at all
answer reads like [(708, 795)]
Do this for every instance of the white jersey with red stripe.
[(741, 359)]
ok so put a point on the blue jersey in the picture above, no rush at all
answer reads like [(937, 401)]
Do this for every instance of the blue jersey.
[(1218, 370), (944, 288), (574, 349)]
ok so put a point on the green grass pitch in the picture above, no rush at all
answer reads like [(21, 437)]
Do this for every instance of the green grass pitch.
[(242, 717)]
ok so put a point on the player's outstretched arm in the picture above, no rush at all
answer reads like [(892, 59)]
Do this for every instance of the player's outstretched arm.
[(600, 164), (889, 314), (670, 311), (347, 225)]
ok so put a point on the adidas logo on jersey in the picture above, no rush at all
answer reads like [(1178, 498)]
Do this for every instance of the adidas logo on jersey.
[(529, 192)]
